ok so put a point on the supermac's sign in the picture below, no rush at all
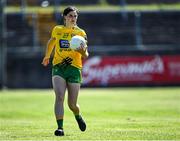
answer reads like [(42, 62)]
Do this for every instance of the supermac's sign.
[(116, 70)]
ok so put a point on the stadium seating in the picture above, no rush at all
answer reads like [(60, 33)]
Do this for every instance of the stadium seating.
[(115, 30), (27, 72), (89, 2), (52, 2), (13, 2), (19, 32), (161, 28), (79, 2), (63, 2), (103, 28), (116, 2), (108, 28), (112, 29), (45, 23)]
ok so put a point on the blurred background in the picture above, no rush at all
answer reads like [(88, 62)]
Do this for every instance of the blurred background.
[(131, 42)]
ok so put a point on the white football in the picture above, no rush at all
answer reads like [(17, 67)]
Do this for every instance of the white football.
[(77, 41)]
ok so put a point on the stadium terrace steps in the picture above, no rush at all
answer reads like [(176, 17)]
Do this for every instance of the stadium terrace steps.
[(88, 2), (45, 23), (52, 2), (116, 2), (111, 28), (103, 28), (19, 32), (161, 28)]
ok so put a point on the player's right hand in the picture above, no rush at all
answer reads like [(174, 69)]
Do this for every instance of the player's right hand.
[(45, 61)]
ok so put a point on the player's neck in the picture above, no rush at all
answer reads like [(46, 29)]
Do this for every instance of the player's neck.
[(70, 26)]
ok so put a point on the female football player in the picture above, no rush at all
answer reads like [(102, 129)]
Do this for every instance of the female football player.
[(67, 65)]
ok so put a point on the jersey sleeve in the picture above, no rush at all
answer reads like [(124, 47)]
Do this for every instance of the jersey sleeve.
[(53, 34), (83, 33)]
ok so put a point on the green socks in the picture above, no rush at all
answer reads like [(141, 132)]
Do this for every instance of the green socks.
[(60, 123), (78, 117)]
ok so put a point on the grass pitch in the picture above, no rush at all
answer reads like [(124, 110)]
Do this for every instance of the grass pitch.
[(111, 114)]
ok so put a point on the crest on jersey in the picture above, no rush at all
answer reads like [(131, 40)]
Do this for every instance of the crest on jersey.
[(64, 43)]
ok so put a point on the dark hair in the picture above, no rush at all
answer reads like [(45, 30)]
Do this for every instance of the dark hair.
[(69, 9)]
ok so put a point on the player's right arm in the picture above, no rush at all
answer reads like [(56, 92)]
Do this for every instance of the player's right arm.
[(50, 46), (49, 49)]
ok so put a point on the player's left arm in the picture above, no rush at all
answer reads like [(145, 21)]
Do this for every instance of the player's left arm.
[(86, 53), (83, 50)]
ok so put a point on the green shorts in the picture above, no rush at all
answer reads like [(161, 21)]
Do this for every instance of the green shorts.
[(70, 73)]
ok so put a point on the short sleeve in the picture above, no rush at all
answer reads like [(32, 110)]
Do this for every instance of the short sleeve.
[(53, 34), (83, 33)]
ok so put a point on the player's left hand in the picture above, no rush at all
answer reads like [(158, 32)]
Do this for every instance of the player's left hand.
[(81, 49)]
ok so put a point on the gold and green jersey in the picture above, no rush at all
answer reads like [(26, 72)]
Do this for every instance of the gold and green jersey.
[(63, 36)]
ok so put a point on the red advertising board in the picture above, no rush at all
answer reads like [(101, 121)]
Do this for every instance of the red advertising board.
[(131, 70)]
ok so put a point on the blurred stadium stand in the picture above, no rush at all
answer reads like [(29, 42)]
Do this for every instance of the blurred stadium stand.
[(109, 28), (89, 2), (109, 33), (116, 2), (27, 72), (43, 26), (1, 46), (160, 28), (20, 33), (52, 2), (113, 30)]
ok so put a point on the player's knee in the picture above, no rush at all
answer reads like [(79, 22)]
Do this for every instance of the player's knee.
[(59, 98), (72, 106)]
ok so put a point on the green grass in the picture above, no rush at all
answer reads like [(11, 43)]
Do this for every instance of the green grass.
[(111, 114), (50, 9)]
